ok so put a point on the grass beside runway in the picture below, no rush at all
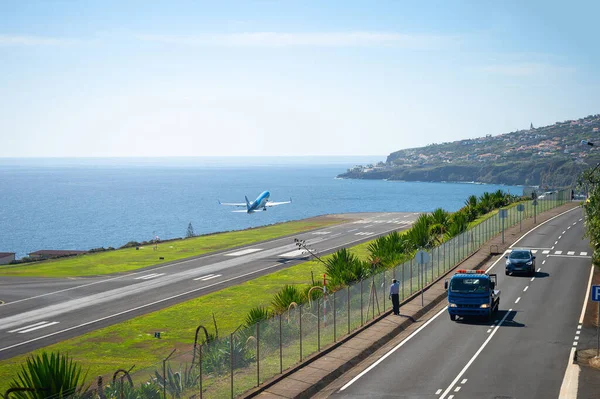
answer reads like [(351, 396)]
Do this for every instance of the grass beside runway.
[(128, 259), (132, 342)]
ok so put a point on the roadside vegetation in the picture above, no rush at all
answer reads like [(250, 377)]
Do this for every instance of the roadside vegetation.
[(132, 342), (129, 259), (590, 182)]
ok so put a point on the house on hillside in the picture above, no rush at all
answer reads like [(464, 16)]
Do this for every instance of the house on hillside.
[(6, 257), (54, 253)]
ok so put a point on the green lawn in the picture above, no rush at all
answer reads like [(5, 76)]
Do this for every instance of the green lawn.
[(125, 260)]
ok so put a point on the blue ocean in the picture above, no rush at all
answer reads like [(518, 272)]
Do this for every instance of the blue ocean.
[(91, 203)]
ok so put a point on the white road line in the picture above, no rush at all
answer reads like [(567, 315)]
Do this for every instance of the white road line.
[(534, 251), (525, 289), (294, 254), (146, 276), (546, 252), (368, 226), (564, 232), (539, 268), (38, 327), (26, 327), (559, 237), (489, 331), (568, 227), (464, 370), (246, 251), (518, 299), (464, 381), (544, 262), (570, 383), (571, 253), (533, 278), (350, 231), (211, 277), (439, 391), (151, 276), (571, 256), (201, 277), (574, 223), (457, 389), (583, 254), (394, 349), (555, 242), (576, 338), (451, 397), (541, 224), (557, 252), (578, 332), (319, 233)]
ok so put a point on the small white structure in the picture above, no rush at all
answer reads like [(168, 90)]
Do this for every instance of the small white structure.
[(6, 257)]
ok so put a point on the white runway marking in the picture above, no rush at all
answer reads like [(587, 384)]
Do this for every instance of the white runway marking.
[(364, 233), (207, 277), (244, 252), (294, 254), (350, 231), (321, 232), (149, 276), (33, 327)]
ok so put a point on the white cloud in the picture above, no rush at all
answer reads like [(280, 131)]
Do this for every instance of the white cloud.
[(323, 39), (526, 69), (26, 40)]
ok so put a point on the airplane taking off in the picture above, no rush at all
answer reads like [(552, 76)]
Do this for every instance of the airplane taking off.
[(261, 203)]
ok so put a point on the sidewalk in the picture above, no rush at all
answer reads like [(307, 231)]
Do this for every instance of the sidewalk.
[(315, 373)]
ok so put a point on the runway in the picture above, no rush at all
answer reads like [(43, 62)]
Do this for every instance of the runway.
[(39, 311)]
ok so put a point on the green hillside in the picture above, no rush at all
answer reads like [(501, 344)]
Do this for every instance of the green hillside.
[(550, 156)]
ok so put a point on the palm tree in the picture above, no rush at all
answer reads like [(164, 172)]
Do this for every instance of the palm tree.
[(458, 224), (343, 267), (419, 235), (471, 207), (486, 203)]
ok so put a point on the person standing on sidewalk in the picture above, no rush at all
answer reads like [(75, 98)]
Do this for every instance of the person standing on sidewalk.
[(395, 296)]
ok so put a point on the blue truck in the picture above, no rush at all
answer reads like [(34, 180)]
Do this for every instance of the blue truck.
[(472, 293)]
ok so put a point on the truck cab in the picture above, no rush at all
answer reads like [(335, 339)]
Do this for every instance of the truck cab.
[(472, 293)]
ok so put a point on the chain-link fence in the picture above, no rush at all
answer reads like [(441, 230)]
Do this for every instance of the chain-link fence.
[(231, 365)]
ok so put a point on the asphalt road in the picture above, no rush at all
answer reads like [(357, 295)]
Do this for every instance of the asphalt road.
[(522, 354), (38, 312)]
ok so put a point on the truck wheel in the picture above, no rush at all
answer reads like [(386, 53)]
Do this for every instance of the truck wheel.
[(452, 317), (506, 272)]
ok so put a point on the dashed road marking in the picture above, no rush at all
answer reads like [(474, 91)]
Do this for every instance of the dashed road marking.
[(533, 278), (439, 391), (539, 268), (350, 231), (525, 289), (546, 252), (33, 327), (463, 381), (557, 252), (318, 233), (364, 233), (534, 251), (244, 252), (518, 299), (207, 277), (583, 254), (544, 261), (571, 253), (559, 237), (555, 242), (564, 232), (149, 276), (294, 254), (457, 389)]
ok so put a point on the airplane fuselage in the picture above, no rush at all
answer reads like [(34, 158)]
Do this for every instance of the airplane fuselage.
[(260, 203)]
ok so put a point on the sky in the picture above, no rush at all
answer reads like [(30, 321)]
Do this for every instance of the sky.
[(286, 78)]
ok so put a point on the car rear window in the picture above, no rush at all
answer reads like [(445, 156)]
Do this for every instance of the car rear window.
[(519, 255)]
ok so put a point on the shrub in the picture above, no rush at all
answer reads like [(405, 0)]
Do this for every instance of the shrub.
[(54, 375), (286, 296)]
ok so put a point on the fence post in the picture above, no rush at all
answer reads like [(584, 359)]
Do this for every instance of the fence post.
[(403, 263), (318, 325), (438, 263), (300, 307), (411, 277), (231, 361), (384, 291), (258, 353), (280, 347), (348, 303), (165, 374), (334, 310), (200, 364), (361, 302)]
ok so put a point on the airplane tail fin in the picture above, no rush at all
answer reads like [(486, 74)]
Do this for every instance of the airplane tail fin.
[(247, 202)]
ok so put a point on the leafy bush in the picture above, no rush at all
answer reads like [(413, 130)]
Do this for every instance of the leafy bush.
[(286, 296), (53, 375), (216, 356), (176, 383), (256, 315), (344, 268)]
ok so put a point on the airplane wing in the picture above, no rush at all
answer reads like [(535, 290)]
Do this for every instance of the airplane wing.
[(241, 211), (278, 203), (233, 204)]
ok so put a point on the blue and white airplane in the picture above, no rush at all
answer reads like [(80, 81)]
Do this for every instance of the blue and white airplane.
[(261, 203)]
